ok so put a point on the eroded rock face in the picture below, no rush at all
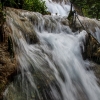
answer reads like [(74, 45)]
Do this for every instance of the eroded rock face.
[(8, 65), (81, 23), (8, 62), (20, 23), (91, 49)]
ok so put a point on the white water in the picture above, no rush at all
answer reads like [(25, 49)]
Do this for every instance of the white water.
[(57, 7), (52, 69)]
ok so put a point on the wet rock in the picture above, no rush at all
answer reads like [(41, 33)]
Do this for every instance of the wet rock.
[(23, 24), (7, 67), (92, 49), (84, 23), (64, 21)]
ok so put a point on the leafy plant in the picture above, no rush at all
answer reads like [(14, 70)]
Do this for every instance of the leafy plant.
[(35, 5), (90, 8), (32, 5)]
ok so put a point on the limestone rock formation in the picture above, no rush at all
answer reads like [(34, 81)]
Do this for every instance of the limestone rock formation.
[(8, 62), (8, 65)]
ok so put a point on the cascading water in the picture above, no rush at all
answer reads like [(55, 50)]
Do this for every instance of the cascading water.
[(53, 67), (59, 7)]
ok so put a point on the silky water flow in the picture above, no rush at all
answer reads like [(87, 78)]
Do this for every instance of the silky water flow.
[(59, 7), (53, 67)]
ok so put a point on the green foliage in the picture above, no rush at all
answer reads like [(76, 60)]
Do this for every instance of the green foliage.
[(12, 3), (35, 5), (32, 5), (90, 8)]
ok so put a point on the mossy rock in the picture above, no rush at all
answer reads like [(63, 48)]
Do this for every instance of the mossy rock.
[(92, 49)]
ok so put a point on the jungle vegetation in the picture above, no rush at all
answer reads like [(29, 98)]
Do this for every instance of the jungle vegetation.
[(89, 8), (31, 5)]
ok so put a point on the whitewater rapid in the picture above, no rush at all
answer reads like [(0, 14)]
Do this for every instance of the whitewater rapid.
[(60, 8)]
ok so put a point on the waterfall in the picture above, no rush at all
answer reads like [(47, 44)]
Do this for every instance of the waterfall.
[(52, 67), (59, 7)]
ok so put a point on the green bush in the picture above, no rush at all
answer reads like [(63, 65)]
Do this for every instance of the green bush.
[(32, 5), (90, 8), (35, 5)]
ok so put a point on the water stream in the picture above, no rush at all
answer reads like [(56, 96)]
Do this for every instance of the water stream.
[(52, 68), (59, 7)]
